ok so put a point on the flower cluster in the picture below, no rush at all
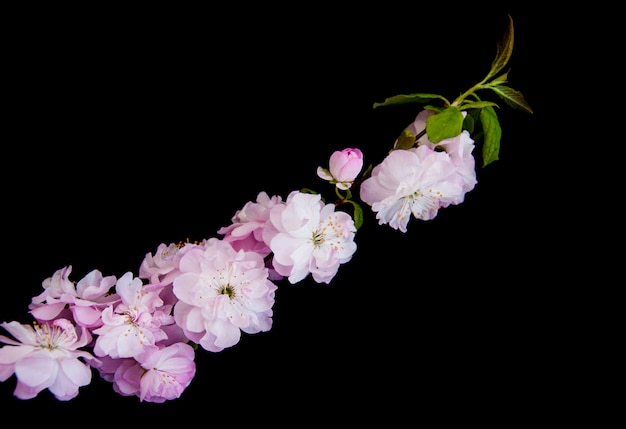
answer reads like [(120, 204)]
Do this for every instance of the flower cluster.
[(141, 332)]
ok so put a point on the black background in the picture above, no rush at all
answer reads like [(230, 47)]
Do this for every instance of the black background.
[(137, 127)]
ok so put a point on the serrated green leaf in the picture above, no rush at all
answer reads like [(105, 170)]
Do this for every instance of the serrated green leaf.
[(444, 125), (420, 98), (492, 133), (513, 98), (504, 49)]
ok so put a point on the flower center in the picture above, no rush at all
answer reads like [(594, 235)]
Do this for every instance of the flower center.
[(227, 289), (318, 238), (49, 337), (421, 203)]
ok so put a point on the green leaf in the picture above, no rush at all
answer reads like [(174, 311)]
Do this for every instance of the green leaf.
[(513, 98), (474, 113), (502, 79), (421, 98), (504, 50), (492, 135), (358, 213), (477, 105), (468, 123), (445, 124), (406, 140)]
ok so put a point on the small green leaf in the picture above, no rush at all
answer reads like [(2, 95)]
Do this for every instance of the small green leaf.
[(406, 140), (477, 105), (358, 213), (502, 79), (503, 52), (492, 135), (474, 113), (422, 98), (445, 124), (513, 98), (468, 123)]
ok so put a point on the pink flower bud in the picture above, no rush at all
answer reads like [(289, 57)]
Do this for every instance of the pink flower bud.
[(344, 166)]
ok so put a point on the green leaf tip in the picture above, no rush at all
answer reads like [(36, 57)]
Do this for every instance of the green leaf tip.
[(512, 97), (420, 98), (504, 49)]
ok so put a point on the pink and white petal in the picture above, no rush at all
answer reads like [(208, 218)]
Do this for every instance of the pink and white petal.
[(25, 334), (13, 353), (72, 375), (24, 391), (189, 317), (37, 369), (47, 311), (226, 334)]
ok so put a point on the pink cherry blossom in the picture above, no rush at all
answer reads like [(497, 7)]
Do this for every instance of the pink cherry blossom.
[(167, 372), (45, 356), (162, 267), (157, 375), (344, 167), (310, 237), (417, 180), (49, 304), (222, 292), (459, 149), (248, 228), (132, 325), (160, 270), (123, 374), (82, 302)]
